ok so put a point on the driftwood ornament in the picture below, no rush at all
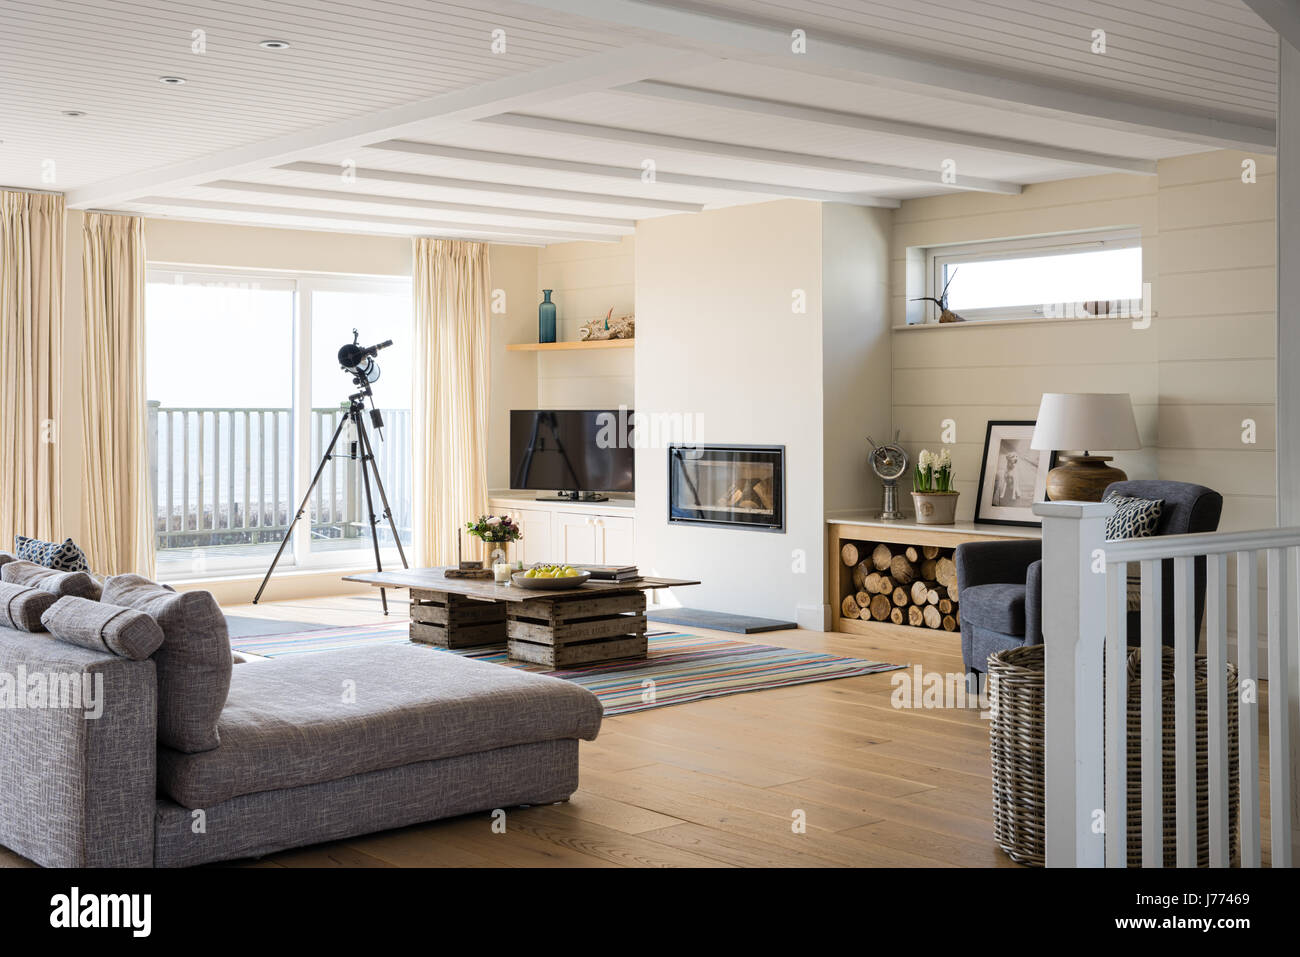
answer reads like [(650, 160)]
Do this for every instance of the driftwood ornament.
[(623, 327)]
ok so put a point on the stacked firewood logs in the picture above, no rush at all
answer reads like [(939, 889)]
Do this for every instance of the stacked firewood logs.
[(902, 584)]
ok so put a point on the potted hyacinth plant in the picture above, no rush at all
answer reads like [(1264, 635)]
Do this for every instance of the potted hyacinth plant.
[(936, 502), (497, 532)]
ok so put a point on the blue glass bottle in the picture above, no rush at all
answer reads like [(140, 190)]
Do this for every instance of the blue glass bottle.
[(546, 318)]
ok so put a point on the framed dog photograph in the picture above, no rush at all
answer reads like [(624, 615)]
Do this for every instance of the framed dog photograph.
[(1012, 475)]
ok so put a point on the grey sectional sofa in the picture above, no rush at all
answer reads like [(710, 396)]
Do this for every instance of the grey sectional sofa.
[(298, 750)]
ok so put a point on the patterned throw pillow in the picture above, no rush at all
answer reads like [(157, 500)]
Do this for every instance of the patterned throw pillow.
[(63, 558), (1133, 518)]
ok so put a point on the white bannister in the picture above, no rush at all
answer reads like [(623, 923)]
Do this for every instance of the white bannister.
[(1074, 629), (1085, 610)]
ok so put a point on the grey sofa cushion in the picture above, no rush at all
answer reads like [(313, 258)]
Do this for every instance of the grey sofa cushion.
[(5, 558), (97, 626), (997, 607), (304, 720), (21, 607), (57, 583), (194, 663)]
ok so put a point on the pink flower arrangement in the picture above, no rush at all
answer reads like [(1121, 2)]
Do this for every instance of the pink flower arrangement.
[(494, 528)]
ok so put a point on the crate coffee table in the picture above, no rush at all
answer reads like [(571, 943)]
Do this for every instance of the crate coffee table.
[(557, 628)]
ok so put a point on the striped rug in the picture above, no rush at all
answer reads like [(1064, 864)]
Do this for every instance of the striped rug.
[(322, 639), (678, 668)]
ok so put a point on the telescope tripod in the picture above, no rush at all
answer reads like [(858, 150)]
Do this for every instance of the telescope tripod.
[(360, 448)]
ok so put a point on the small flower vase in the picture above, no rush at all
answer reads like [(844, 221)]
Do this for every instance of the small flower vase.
[(935, 508), (546, 318), (498, 552)]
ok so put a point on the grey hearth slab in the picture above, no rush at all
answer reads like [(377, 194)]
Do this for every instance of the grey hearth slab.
[(718, 620)]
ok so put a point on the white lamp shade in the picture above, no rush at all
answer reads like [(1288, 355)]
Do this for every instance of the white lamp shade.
[(1086, 421)]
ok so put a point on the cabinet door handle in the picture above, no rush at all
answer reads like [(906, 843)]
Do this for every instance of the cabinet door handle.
[(600, 522), (590, 520)]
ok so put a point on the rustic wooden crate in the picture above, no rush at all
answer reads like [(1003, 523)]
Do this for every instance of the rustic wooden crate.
[(577, 630), (454, 621)]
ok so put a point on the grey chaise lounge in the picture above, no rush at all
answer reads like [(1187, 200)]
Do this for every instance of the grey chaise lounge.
[(309, 748)]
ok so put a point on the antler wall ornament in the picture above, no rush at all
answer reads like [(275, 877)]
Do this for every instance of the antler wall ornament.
[(945, 314)]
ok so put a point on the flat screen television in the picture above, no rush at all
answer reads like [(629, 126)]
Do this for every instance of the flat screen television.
[(570, 451)]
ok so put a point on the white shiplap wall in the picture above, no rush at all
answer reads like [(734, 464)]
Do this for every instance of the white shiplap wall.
[(974, 373), (1205, 365), (587, 279)]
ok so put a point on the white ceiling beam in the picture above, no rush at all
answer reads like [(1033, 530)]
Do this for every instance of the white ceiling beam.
[(478, 230), (379, 199), (874, 124), (629, 174), (1282, 15), (805, 161), (486, 186), (536, 87), (920, 72)]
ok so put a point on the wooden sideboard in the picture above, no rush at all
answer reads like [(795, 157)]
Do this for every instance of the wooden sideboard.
[(867, 530)]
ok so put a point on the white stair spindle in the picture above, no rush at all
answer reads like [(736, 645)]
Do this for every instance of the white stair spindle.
[(1152, 731), (1184, 712), (1117, 715), (1278, 720), (1248, 704), (1216, 660)]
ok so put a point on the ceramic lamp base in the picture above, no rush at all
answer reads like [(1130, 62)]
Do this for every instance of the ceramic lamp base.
[(1082, 478)]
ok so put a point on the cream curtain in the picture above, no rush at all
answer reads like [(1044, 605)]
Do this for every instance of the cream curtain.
[(31, 357), (451, 290), (116, 501)]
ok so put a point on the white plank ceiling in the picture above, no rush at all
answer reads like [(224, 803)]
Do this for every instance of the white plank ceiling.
[(396, 116)]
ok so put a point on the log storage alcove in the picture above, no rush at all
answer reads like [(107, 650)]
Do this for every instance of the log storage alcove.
[(899, 576)]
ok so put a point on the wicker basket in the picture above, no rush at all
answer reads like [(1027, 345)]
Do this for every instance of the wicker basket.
[(1015, 686), (1167, 795)]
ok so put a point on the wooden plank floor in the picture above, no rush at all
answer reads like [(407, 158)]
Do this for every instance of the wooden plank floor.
[(721, 782)]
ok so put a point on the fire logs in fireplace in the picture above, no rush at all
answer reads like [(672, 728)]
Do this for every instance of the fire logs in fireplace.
[(901, 584), (737, 485)]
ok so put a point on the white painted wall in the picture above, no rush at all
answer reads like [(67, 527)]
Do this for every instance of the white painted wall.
[(857, 366), (716, 335)]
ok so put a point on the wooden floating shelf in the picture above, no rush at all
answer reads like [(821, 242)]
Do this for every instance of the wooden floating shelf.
[(574, 346)]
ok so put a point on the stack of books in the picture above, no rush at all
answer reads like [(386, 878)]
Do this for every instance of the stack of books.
[(611, 573)]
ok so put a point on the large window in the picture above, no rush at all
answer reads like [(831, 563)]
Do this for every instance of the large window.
[(245, 394), (1083, 274)]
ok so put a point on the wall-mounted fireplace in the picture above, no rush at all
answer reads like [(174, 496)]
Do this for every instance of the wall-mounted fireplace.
[(738, 486)]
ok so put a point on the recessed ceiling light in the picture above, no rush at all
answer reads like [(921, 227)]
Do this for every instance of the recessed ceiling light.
[(74, 113), (274, 44), (171, 80)]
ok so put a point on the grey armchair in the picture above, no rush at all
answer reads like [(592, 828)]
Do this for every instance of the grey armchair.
[(999, 584)]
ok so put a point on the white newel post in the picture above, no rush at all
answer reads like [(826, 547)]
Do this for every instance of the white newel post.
[(1074, 631)]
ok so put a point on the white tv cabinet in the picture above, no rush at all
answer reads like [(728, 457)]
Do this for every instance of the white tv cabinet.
[(588, 533)]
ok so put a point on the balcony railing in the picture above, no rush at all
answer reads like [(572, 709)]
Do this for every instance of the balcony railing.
[(225, 477)]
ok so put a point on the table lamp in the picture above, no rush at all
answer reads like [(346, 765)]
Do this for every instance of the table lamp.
[(1082, 422)]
